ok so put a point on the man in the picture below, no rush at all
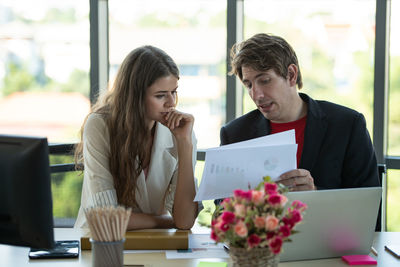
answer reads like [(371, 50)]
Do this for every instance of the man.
[(334, 147)]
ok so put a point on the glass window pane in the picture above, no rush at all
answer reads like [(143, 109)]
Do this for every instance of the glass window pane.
[(44, 81), (66, 189), (393, 200), (193, 33), (334, 44), (394, 81), (44, 64), (204, 217)]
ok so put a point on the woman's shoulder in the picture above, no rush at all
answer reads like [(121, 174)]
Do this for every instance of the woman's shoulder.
[(95, 125), (96, 117), (95, 120)]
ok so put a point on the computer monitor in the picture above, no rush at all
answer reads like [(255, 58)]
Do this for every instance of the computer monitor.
[(26, 209)]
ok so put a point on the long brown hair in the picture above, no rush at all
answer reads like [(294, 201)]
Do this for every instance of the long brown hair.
[(123, 108)]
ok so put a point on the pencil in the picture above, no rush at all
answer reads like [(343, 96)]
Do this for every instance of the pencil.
[(373, 251)]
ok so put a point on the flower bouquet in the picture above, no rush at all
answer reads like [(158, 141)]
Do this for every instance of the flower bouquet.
[(256, 221)]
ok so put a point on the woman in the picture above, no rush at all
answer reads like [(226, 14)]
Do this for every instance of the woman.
[(137, 150)]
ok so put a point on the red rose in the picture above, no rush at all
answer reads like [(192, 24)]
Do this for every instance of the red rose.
[(296, 216), (253, 240), (275, 244), (214, 236), (270, 188), (274, 200), (285, 230), (228, 217)]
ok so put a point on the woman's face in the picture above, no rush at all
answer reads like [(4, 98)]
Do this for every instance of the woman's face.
[(160, 99)]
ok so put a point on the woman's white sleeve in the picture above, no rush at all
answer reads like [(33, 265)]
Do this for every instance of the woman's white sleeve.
[(170, 195), (99, 179)]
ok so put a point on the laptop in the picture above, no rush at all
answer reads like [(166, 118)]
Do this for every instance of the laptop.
[(337, 222)]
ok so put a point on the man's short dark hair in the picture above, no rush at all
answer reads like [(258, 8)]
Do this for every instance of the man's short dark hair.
[(263, 52)]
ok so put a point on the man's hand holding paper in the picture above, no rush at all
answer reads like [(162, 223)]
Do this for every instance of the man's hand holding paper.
[(297, 180)]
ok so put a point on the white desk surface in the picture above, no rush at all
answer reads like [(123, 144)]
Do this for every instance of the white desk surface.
[(18, 256)]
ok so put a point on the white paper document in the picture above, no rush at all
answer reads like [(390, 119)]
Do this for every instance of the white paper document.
[(283, 138), (136, 251), (200, 246), (203, 241), (196, 253), (244, 164)]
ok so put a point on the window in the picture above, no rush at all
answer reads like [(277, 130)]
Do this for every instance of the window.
[(393, 200), (44, 80), (393, 177), (394, 82), (193, 33), (44, 63), (334, 45)]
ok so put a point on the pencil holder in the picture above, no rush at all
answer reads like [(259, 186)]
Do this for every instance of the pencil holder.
[(107, 253)]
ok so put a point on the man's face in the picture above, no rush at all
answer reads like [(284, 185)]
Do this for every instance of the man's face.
[(273, 95)]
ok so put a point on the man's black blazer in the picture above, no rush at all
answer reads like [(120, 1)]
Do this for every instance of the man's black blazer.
[(337, 148)]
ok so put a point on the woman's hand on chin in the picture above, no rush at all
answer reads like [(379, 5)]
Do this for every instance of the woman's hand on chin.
[(180, 124)]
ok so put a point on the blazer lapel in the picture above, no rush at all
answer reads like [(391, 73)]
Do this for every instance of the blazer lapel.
[(261, 128), (142, 197), (315, 130)]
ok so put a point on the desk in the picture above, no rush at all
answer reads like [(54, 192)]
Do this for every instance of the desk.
[(11, 256)]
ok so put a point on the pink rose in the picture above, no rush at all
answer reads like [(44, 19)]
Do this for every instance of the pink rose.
[(228, 217), (284, 200), (285, 230), (240, 210), (240, 229), (271, 222), (225, 202), (298, 205), (270, 188), (217, 225), (259, 222), (253, 240), (275, 244), (257, 197)]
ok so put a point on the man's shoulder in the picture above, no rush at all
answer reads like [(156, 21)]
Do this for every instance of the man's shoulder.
[(335, 108), (330, 109), (248, 126), (245, 120), (339, 113)]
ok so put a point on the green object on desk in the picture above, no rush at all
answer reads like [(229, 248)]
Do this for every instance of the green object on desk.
[(212, 264)]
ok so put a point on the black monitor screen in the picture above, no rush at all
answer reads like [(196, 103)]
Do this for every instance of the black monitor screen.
[(26, 215)]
